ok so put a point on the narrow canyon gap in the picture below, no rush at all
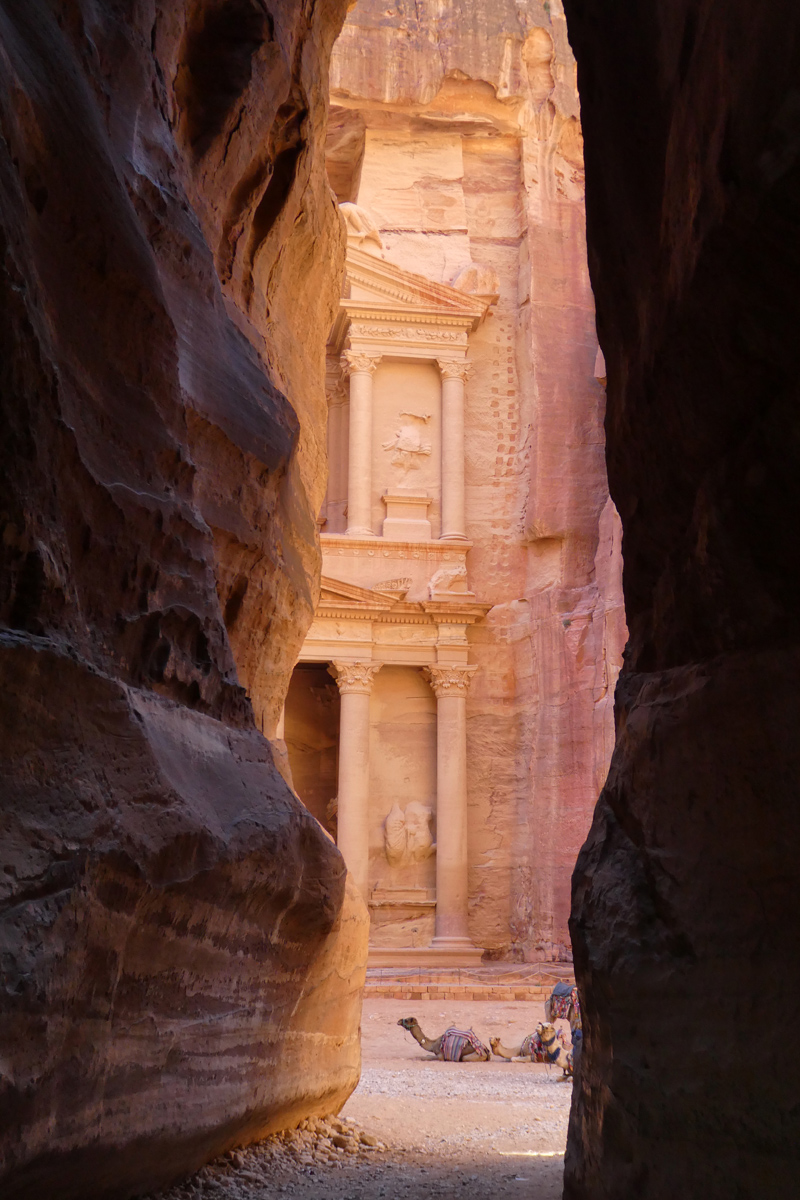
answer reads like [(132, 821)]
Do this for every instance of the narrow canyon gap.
[(182, 959), (685, 916)]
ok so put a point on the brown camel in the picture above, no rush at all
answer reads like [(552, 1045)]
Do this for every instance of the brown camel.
[(454, 1045)]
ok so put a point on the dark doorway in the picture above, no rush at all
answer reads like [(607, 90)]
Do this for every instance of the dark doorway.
[(311, 732)]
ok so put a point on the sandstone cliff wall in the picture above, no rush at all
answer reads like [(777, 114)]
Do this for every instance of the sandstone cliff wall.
[(457, 126), (685, 914), (181, 957)]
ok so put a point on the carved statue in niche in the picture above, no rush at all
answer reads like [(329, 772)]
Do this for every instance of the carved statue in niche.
[(448, 579), (407, 446), (407, 835)]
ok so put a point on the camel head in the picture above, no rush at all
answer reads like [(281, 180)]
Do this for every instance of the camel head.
[(546, 1032), (408, 1022), (494, 1043)]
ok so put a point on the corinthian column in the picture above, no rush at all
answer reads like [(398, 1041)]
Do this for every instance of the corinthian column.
[(355, 681), (450, 685), (360, 368), (454, 376)]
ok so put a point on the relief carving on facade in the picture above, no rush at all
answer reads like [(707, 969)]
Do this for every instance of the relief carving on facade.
[(407, 446), (361, 226), (477, 279), (409, 333), (399, 586), (448, 579), (336, 394), (407, 834)]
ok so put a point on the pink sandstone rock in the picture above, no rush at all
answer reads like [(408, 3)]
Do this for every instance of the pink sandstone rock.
[(456, 128)]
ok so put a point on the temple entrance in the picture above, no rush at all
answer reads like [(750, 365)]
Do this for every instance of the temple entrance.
[(377, 753)]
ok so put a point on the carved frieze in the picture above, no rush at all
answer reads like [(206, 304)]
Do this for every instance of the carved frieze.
[(409, 333)]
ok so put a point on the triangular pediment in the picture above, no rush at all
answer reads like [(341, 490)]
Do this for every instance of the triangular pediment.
[(369, 278), (337, 592), (383, 301)]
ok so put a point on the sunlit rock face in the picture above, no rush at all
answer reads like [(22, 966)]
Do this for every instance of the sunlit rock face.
[(181, 953), (685, 913), (455, 127)]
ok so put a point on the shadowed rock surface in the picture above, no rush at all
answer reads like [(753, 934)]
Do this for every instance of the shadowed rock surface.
[(181, 955), (685, 917)]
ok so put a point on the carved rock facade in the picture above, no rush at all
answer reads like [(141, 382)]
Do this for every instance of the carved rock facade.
[(466, 457)]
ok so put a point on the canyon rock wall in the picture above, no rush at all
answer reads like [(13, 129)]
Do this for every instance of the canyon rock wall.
[(456, 126), (181, 953), (685, 915)]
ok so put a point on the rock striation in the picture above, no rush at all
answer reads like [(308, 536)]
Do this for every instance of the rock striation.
[(685, 916), (182, 955)]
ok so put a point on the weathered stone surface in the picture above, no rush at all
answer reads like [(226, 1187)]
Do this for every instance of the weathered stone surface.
[(181, 959), (457, 130), (685, 918)]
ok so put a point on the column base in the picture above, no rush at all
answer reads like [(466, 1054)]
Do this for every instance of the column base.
[(358, 531), (453, 537), (442, 952)]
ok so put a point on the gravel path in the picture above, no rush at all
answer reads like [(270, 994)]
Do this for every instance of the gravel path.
[(416, 1128)]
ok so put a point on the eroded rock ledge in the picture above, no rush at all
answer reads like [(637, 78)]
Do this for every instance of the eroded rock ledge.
[(181, 955)]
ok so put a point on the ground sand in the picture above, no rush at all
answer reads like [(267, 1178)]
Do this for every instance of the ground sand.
[(467, 1130)]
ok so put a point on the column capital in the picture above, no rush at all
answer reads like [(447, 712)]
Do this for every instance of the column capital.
[(449, 680), (336, 394), (354, 676), (355, 362), (455, 368)]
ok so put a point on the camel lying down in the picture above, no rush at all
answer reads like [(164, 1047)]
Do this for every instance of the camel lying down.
[(546, 1045), (530, 1049), (454, 1045)]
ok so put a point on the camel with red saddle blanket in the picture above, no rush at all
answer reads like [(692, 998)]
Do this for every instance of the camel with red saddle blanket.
[(454, 1045)]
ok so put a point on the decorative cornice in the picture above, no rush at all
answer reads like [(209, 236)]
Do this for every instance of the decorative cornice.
[(354, 676), (354, 362), (449, 681), (387, 547), (455, 368)]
